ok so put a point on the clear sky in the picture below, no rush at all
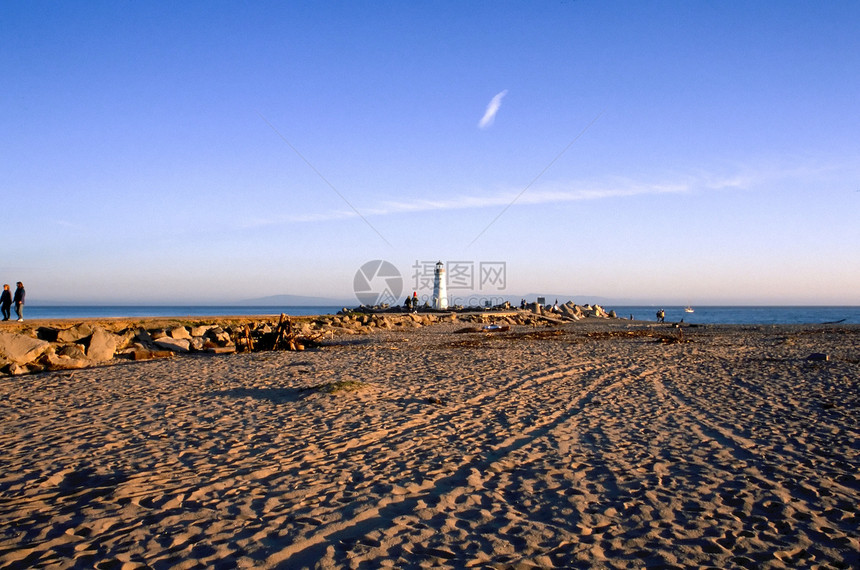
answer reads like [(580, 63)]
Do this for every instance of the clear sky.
[(199, 152)]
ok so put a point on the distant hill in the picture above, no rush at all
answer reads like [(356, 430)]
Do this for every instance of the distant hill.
[(296, 301)]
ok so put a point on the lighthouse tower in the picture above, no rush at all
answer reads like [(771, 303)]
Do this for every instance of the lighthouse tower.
[(440, 295)]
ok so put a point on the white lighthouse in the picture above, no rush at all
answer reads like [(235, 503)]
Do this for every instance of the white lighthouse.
[(440, 295)]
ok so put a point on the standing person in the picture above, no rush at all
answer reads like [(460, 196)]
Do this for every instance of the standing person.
[(6, 302), (19, 301), (415, 301)]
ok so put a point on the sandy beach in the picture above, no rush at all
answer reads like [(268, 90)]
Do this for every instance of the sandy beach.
[(605, 444)]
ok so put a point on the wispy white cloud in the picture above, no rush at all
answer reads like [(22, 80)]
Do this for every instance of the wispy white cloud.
[(546, 196), (550, 193), (492, 109)]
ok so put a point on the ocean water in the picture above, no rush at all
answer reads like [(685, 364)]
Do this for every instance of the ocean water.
[(745, 315), (120, 311), (702, 315)]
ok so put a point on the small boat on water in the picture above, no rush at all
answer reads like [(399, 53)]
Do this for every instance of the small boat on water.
[(689, 309)]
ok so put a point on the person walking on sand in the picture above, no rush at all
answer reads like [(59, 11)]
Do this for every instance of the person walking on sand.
[(6, 302), (661, 316), (19, 301)]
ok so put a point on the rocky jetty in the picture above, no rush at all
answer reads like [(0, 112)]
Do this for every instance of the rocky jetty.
[(28, 349), (84, 344)]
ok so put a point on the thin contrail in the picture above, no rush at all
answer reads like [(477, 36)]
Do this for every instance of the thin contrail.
[(536, 178), (323, 178)]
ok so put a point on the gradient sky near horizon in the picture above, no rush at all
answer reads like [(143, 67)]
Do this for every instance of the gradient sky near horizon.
[(210, 152)]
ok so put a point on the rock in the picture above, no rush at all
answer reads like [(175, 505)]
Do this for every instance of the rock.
[(61, 362), (201, 330), (157, 334), (142, 336), (21, 349), (16, 369), (146, 354), (220, 336), (72, 351), (179, 333), (197, 343), (125, 339), (102, 345), (174, 344), (74, 334)]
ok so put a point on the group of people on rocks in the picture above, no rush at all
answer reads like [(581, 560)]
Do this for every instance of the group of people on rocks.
[(6, 300), (411, 303)]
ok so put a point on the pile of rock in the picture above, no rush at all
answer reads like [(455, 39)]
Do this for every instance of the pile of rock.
[(570, 311), (577, 312), (85, 345)]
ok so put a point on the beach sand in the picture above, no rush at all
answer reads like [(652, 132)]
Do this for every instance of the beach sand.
[(601, 444)]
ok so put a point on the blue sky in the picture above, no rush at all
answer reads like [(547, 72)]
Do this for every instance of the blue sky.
[(665, 152)]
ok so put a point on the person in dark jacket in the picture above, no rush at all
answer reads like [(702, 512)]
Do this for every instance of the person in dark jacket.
[(6, 302), (19, 301)]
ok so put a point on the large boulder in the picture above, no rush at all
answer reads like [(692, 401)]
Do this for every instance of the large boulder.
[(124, 339), (72, 351), (102, 345), (179, 332), (58, 361), (142, 336), (174, 344), (201, 330), (21, 349), (220, 336), (75, 334)]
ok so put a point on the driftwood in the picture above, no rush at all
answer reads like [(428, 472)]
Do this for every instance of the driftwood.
[(287, 339), (282, 338), (285, 328), (249, 342)]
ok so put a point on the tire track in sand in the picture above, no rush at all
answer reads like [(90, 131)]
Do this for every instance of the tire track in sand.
[(473, 471)]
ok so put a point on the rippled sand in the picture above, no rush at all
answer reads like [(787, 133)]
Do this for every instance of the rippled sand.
[(576, 446)]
